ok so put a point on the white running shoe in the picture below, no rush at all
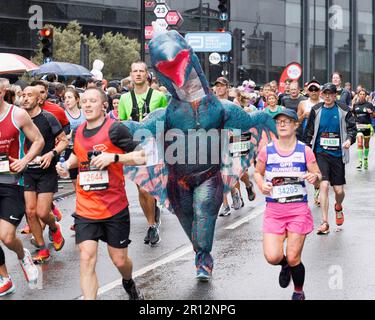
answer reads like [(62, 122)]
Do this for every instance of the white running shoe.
[(29, 269), (6, 286), (237, 201)]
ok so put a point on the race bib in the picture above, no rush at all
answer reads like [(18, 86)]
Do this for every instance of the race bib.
[(362, 127), (240, 148), (93, 179), (4, 163), (287, 190), (330, 141)]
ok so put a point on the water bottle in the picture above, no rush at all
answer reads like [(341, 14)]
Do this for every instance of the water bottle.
[(63, 165)]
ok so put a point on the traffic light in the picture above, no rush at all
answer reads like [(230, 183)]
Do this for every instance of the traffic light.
[(223, 6), (46, 37), (239, 46)]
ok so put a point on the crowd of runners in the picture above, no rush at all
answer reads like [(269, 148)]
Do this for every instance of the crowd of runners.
[(50, 130)]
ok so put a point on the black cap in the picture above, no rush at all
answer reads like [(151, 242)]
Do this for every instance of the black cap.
[(329, 87), (288, 113)]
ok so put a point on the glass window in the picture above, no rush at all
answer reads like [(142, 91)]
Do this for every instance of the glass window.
[(365, 44), (340, 23), (317, 41)]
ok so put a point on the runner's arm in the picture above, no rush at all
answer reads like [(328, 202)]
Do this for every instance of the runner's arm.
[(33, 134)]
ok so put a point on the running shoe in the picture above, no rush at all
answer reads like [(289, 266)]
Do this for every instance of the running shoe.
[(6, 286), (237, 200), (57, 213), (285, 277), (133, 291), (203, 274), (339, 215), (58, 240), (359, 165), (250, 193), (365, 164), (153, 234), (29, 269), (323, 229), (41, 256), (225, 211), (26, 229), (316, 197), (298, 296)]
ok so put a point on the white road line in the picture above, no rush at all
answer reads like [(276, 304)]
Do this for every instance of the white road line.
[(183, 251), (246, 219)]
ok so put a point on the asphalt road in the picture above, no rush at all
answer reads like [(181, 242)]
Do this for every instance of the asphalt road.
[(339, 266)]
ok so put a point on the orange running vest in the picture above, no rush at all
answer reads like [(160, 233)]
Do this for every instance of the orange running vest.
[(100, 204)]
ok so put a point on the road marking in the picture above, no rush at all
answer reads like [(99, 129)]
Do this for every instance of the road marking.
[(246, 219), (174, 256), (183, 251)]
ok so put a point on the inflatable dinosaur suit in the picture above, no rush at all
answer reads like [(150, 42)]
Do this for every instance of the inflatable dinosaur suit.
[(191, 178)]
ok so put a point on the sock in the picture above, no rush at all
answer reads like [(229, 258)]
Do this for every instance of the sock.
[(367, 152), (360, 154), (283, 262), (128, 284), (298, 276)]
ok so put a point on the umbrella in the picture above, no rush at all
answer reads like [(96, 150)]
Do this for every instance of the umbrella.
[(62, 69), (13, 63)]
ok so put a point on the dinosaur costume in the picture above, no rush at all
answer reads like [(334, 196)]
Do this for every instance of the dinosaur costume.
[(192, 178)]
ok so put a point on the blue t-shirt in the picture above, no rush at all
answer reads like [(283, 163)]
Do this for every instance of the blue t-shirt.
[(329, 130)]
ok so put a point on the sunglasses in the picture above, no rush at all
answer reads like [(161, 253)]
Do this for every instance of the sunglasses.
[(314, 89)]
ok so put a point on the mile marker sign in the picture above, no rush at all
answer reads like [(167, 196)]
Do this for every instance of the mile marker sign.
[(161, 10)]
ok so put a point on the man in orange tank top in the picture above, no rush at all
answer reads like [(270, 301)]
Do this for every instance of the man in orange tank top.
[(101, 147)]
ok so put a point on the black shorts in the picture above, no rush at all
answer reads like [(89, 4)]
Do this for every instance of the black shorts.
[(366, 133), (73, 173), (114, 230), (332, 169), (41, 181), (12, 204)]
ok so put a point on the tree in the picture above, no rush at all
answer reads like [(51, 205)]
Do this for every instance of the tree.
[(115, 50)]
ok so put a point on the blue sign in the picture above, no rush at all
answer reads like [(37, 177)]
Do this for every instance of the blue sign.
[(224, 16), (224, 58), (209, 41)]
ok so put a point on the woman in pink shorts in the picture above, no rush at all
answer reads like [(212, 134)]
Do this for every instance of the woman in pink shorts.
[(283, 167)]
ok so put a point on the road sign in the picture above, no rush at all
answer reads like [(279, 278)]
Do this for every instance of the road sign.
[(224, 16), (224, 58), (161, 10), (162, 23), (174, 18), (209, 41), (214, 58), (149, 31)]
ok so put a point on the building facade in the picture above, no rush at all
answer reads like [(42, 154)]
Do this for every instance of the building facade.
[(322, 35)]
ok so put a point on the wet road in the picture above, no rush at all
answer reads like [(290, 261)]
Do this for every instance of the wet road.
[(338, 266)]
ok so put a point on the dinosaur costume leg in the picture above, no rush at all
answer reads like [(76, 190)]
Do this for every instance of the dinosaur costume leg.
[(196, 205)]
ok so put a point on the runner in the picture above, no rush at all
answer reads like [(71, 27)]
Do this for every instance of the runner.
[(102, 205), (136, 105), (303, 111), (286, 164), (41, 177), (272, 108), (76, 118), (330, 132), (15, 125), (342, 95), (362, 112)]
